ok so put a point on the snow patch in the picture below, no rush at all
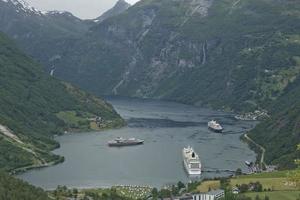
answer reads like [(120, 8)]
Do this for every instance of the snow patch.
[(22, 5)]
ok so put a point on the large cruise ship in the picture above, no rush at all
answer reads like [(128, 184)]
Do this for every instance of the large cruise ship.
[(120, 142), (215, 126), (191, 161)]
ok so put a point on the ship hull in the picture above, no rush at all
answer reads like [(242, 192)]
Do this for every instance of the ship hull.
[(215, 130), (125, 144)]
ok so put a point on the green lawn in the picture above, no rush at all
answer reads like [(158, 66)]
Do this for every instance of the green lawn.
[(277, 174), (276, 181), (278, 195), (74, 120), (206, 185)]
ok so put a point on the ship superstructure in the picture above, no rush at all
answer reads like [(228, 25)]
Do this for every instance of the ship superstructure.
[(191, 161), (215, 126)]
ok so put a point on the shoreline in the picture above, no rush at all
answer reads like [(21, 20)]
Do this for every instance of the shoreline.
[(25, 169), (84, 186), (61, 159), (258, 149)]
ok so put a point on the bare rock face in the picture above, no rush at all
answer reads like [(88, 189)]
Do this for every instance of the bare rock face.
[(174, 49)]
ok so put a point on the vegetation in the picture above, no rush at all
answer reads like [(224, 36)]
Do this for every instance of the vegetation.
[(277, 195), (114, 193), (280, 134), (172, 50), (264, 186), (209, 185), (29, 105), (277, 181), (14, 189)]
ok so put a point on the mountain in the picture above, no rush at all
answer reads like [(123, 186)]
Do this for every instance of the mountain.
[(182, 50), (219, 53), (120, 7), (37, 31), (235, 55), (35, 107)]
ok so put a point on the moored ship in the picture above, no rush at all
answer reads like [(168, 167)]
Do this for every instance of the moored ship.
[(120, 142), (191, 161), (215, 126)]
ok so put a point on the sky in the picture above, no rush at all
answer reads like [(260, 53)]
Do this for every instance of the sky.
[(85, 9)]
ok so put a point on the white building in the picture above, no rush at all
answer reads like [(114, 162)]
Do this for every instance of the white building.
[(212, 195)]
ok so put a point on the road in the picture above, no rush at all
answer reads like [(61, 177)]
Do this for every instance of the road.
[(263, 150)]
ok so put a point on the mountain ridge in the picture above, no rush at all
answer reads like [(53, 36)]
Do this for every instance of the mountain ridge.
[(120, 7), (233, 55)]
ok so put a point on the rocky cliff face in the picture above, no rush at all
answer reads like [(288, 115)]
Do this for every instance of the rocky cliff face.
[(230, 54), (238, 55), (222, 53)]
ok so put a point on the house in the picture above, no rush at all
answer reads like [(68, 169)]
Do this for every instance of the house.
[(212, 195)]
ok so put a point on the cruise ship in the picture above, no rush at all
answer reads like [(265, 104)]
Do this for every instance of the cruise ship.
[(191, 161), (215, 126), (120, 142)]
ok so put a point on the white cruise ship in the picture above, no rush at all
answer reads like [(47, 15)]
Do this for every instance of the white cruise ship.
[(191, 161), (215, 126)]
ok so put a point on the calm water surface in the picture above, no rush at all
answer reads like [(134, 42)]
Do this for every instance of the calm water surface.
[(166, 127)]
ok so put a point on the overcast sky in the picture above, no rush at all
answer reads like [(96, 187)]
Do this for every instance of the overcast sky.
[(85, 9)]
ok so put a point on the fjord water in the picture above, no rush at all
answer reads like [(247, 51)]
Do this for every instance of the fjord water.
[(166, 127)]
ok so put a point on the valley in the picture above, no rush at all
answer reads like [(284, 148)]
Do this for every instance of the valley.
[(236, 61), (240, 56), (166, 127)]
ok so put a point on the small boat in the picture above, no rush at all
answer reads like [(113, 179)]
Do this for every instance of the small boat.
[(215, 126), (248, 163), (120, 142)]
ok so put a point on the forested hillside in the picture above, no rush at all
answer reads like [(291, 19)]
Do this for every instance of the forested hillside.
[(235, 55), (239, 55), (33, 109), (280, 134), (14, 189)]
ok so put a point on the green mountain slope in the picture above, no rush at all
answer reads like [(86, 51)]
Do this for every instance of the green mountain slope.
[(280, 135), (14, 189), (30, 105), (240, 55), (246, 52)]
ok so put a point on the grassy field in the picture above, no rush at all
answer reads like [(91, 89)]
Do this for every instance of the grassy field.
[(277, 174), (278, 184), (274, 181), (81, 121), (277, 195), (206, 185), (74, 120)]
